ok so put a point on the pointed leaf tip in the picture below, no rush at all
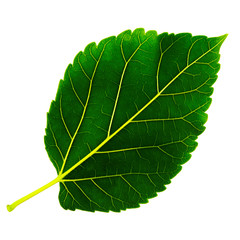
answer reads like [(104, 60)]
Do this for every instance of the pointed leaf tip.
[(224, 36)]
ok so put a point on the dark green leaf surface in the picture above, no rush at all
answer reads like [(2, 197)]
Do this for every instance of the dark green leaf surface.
[(127, 116)]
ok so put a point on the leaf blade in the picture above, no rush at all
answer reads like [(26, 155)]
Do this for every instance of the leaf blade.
[(132, 54)]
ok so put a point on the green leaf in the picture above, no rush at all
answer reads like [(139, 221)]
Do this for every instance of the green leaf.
[(127, 116)]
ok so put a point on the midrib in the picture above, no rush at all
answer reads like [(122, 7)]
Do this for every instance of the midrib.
[(134, 116)]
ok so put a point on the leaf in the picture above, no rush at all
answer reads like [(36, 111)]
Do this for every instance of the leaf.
[(127, 116)]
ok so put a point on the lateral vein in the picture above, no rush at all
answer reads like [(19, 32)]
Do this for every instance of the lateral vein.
[(161, 56), (171, 119), (84, 110), (145, 147), (121, 80), (110, 176)]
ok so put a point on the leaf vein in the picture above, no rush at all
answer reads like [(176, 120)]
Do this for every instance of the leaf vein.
[(71, 194), (64, 123), (89, 199), (108, 194), (55, 140), (130, 185), (74, 90)]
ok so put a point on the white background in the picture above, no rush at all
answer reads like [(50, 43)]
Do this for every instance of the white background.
[(38, 39)]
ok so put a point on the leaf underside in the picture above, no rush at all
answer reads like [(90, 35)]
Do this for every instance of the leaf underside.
[(127, 116)]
